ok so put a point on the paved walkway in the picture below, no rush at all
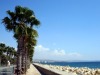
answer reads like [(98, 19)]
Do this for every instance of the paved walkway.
[(32, 71), (47, 70)]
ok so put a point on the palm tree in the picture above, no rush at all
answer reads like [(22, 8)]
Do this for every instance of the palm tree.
[(29, 46), (17, 22), (11, 53), (32, 43), (6, 53), (2, 50)]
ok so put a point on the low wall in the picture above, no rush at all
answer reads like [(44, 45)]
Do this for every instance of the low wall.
[(48, 71), (45, 71)]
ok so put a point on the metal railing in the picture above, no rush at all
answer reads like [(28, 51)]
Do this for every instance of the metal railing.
[(7, 70)]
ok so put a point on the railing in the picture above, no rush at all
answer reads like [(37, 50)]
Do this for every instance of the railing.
[(7, 70)]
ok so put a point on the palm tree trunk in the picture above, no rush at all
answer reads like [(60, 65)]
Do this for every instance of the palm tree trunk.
[(23, 53), (28, 60), (19, 63), (19, 55), (0, 60), (23, 59)]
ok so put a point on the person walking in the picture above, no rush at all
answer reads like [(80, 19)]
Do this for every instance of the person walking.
[(8, 63)]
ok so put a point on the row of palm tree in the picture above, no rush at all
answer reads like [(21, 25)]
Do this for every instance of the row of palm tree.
[(22, 22), (7, 53)]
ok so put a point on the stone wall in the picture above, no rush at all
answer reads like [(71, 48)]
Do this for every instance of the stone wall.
[(45, 71)]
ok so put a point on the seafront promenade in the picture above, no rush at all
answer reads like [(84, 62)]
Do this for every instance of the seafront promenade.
[(43, 69), (5, 70), (33, 70), (66, 70), (46, 70)]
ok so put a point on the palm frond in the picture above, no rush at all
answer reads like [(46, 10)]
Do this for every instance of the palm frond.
[(35, 22), (7, 23), (12, 15)]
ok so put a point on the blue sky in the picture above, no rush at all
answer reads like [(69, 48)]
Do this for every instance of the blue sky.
[(70, 29)]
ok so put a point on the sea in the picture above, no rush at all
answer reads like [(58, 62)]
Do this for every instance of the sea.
[(92, 65)]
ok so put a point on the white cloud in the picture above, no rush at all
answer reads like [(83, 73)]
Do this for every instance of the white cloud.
[(42, 52), (59, 52), (41, 48)]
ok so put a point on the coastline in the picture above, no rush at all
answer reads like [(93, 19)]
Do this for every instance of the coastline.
[(74, 70)]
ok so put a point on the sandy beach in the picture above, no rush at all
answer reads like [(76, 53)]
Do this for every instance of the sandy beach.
[(74, 70)]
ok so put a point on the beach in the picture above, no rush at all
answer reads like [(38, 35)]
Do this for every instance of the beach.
[(74, 70)]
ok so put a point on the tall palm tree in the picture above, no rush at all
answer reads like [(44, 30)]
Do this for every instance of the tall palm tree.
[(30, 42), (17, 22)]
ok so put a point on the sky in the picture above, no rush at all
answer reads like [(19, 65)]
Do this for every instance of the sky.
[(69, 29)]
